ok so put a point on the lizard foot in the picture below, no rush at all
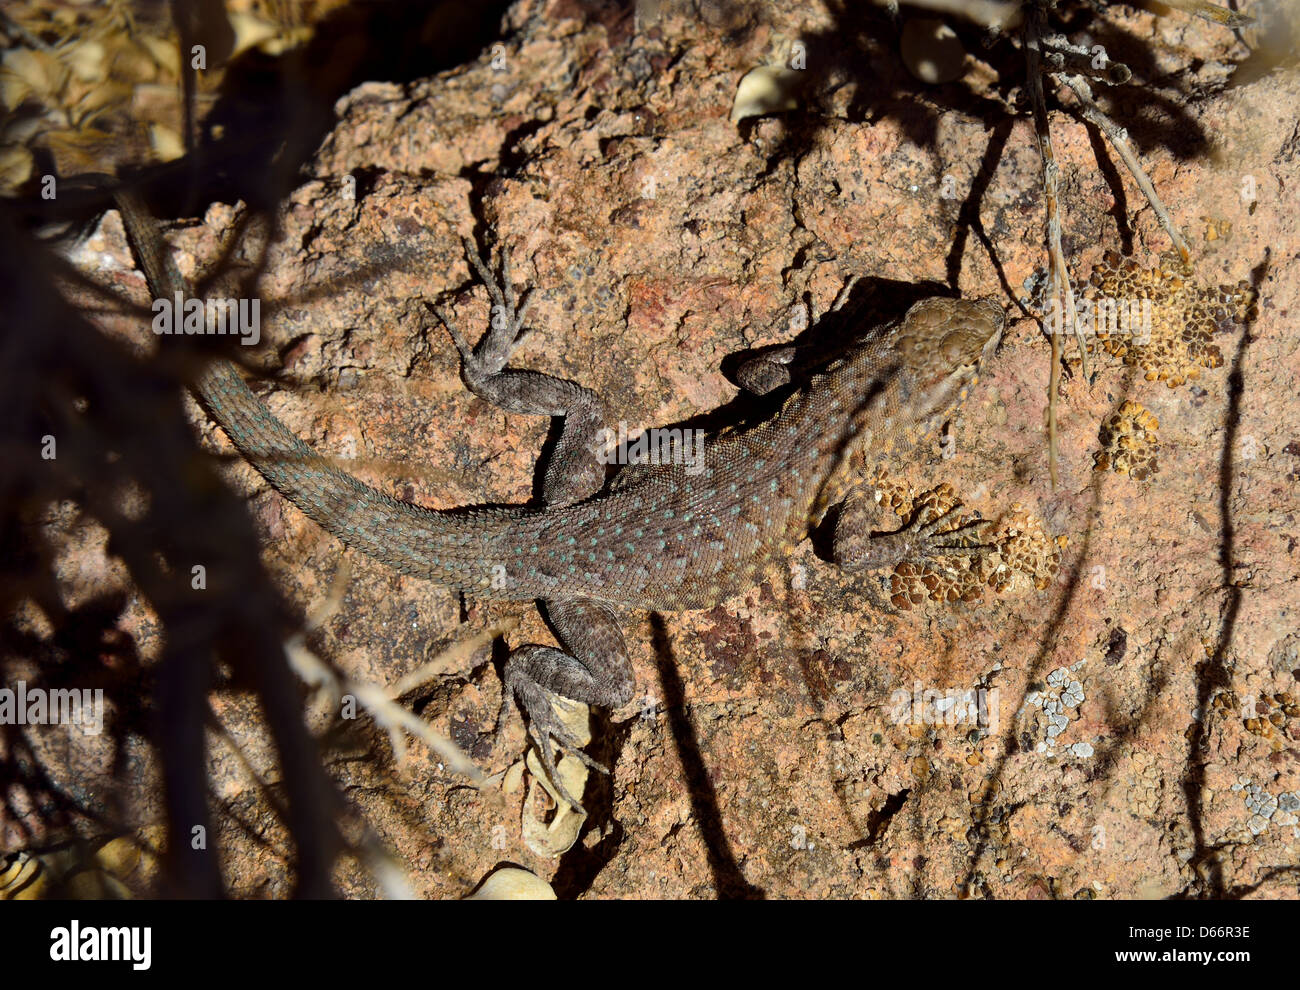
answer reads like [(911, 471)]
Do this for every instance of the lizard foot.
[(856, 550), (505, 328), (544, 723), (931, 540)]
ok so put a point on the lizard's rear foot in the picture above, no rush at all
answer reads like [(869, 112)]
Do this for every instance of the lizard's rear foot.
[(544, 722), (505, 326)]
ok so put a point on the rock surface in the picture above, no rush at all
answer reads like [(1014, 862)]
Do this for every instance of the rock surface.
[(1140, 738)]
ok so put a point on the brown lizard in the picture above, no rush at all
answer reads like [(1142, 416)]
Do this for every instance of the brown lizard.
[(657, 536)]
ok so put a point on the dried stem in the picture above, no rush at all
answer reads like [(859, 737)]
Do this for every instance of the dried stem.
[(1211, 12), (368, 850), (996, 14), (1059, 57), (1034, 26), (1119, 141)]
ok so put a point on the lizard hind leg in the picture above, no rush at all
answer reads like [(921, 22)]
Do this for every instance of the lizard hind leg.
[(592, 668), (575, 469)]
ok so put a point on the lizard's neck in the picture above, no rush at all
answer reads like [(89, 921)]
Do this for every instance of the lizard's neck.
[(862, 413)]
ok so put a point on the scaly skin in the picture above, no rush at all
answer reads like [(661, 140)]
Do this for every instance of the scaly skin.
[(659, 536)]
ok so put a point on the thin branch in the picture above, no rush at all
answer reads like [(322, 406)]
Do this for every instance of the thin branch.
[(448, 659), (1211, 12), (388, 715), (1062, 57), (1034, 25), (996, 14), (369, 851), (1119, 140)]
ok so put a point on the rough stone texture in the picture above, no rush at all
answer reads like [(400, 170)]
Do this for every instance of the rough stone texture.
[(764, 754)]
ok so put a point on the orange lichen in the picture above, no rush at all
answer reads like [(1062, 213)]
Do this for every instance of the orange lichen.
[(1173, 317), (1128, 442)]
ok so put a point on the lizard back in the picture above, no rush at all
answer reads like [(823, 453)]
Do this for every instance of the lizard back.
[(672, 537)]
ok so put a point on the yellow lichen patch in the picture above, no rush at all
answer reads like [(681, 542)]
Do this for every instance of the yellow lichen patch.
[(1128, 442), (952, 578), (1225, 701), (1025, 553), (1217, 228), (1160, 319), (894, 496)]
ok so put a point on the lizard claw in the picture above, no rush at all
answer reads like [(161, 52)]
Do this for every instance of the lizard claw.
[(916, 541), (506, 327), (466, 352), (928, 541)]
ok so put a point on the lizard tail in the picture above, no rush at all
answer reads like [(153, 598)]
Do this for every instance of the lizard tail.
[(452, 548)]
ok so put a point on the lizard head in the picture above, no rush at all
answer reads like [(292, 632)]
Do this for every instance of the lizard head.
[(909, 381), (941, 344)]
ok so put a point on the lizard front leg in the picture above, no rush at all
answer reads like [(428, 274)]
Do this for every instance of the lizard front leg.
[(857, 547), (595, 669), (766, 373), (770, 371)]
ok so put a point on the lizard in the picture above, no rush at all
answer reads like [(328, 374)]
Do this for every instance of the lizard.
[(656, 536)]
